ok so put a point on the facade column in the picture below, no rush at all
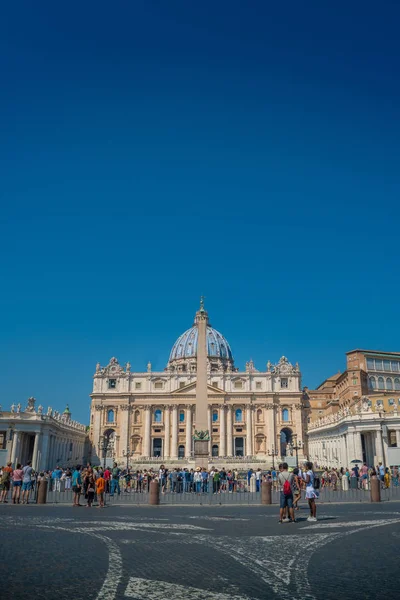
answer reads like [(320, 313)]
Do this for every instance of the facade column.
[(147, 431), (271, 443), (123, 417), (174, 443), (229, 431), (35, 461), (15, 448), (222, 431), (167, 418), (209, 420), (249, 431), (188, 446)]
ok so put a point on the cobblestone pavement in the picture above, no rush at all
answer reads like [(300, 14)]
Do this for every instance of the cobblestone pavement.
[(201, 553)]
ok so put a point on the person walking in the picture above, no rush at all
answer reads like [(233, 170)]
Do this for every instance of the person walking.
[(285, 480), (311, 493)]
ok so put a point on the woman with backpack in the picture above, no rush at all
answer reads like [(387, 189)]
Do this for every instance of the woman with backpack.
[(312, 482)]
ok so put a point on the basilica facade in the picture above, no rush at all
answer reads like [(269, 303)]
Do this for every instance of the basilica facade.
[(138, 416)]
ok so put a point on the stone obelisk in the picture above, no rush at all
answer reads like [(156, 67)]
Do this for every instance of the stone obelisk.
[(201, 434)]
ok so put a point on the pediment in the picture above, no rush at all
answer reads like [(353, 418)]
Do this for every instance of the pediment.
[(190, 388)]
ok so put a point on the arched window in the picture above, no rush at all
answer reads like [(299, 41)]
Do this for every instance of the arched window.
[(214, 451), (389, 383), (181, 416), (381, 383), (136, 417), (215, 416), (285, 415), (372, 383), (397, 383), (238, 415), (110, 416), (157, 416), (259, 416)]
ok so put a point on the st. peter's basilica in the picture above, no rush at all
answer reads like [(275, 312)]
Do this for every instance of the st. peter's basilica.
[(251, 413)]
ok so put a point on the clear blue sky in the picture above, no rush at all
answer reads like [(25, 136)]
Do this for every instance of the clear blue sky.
[(152, 152)]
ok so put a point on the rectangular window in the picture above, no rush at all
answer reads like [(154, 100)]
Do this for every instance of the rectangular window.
[(182, 384), (258, 385), (284, 382), (215, 383), (239, 430), (370, 364), (157, 431), (215, 430), (395, 366), (158, 385), (138, 385), (181, 431), (392, 439), (378, 365), (238, 385), (112, 384), (386, 365)]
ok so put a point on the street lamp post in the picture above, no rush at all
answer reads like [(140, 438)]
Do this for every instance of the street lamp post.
[(127, 453), (273, 453), (104, 449), (296, 447)]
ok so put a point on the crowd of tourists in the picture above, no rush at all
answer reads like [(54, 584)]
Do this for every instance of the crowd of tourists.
[(358, 477), (20, 485)]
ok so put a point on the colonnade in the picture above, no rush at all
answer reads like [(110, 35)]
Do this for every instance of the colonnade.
[(49, 449)]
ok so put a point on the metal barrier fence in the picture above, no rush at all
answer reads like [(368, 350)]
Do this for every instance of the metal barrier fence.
[(240, 494)]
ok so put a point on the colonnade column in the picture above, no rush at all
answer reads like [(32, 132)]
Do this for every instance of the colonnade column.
[(358, 446), (15, 448), (380, 454), (249, 431), (189, 437), (167, 419), (43, 462), (174, 446), (229, 449), (35, 451), (222, 431), (147, 431)]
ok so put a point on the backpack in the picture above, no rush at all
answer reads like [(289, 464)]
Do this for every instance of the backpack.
[(316, 483), (5, 477), (287, 488)]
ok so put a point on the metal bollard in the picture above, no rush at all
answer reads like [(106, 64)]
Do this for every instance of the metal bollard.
[(154, 495), (266, 492), (375, 486), (42, 491)]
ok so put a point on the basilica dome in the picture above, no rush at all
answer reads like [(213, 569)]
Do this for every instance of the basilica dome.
[(184, 351)]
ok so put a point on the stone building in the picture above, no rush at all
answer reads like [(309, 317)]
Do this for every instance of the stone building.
[(147, 414), (354, 415), (46, 438)]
